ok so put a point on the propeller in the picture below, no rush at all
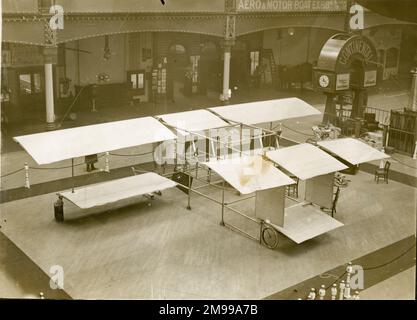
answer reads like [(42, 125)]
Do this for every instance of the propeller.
[(77, 50)]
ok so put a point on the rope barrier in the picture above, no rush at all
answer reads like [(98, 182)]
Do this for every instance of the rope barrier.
[(56, 168), (75, 165), (64, 167), (11, 173), (131, 155), (391, 261), (377, 266), (341, 276)]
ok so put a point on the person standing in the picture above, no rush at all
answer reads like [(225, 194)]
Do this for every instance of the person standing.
[(90, 160)]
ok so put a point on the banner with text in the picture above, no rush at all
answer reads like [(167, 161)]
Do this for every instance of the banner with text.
[(291, 5)]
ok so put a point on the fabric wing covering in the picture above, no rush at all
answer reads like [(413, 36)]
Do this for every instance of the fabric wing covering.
[(53, 146), (266, 111), (305, 161), (193, 121), (352, 150), (249, 174), (116, 190)]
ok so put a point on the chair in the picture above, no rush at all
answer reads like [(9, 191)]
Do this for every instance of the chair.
[(332, 210), (382, 172)]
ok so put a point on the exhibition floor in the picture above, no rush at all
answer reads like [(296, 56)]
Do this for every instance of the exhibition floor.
[(165, 251)]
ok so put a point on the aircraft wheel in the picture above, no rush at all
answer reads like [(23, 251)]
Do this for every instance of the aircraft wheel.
[(269, 236)]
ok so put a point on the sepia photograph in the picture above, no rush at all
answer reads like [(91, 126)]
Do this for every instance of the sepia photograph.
[(208, 150)]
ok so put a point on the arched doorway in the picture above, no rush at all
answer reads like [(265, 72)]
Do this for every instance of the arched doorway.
[(356, 71), (178, 61)]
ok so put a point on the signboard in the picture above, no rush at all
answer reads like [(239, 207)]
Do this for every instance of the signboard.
[(355, 47), (291, 5), (342, 81), (370, 78), (24, 56)]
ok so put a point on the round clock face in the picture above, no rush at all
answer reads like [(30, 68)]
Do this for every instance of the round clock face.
[(324, 81)]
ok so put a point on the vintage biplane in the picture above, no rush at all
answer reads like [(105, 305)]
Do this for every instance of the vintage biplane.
[(254, 164)]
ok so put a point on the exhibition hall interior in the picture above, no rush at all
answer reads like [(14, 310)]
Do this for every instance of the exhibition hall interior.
[(208, 150)]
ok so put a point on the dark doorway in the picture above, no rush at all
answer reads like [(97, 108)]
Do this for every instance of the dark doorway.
[(31, 92), (359, 101), (356, 73), (178, 61), (210, 69), (239, 67)]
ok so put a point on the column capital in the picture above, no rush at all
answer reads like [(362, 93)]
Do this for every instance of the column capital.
[(50, 54), (227, 44)]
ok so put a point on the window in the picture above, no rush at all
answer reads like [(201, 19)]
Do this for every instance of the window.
[(137, 80), (30, 83), (25, 84), (392, 58), (177, 49), (254, 62), (194, 64)]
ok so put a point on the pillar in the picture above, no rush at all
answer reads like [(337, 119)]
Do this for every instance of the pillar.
[(413, 93), (50, 55), (49, 96), (226, 72)]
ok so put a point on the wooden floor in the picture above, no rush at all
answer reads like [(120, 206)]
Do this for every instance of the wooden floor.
[(166, 251)]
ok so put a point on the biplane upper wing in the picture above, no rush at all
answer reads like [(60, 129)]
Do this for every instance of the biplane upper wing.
[(266, 111), (53, 146)]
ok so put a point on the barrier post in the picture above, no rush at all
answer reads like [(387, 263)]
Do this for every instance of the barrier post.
[(106, 163), (347, 292), (27, 182), (341, 289), (322, 292), (312, 294), (349, 271), (334, 291)]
